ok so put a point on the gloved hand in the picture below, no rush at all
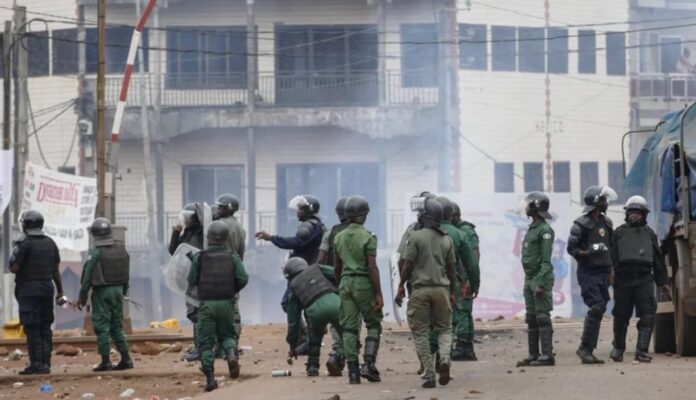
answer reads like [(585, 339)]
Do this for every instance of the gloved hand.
[(61, 300), (81, 303), (597, 248)]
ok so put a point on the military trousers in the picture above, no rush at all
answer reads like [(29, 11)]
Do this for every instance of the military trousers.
[(534, 305), (36, 316), (321, 313), (358, 300), (107, 318), (430, 306), (640, 296), (215, 323)]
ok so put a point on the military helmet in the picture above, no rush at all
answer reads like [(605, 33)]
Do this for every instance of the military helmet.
[(308, 203), (456, 211), (228, 201), (357, 206), (341, 208), (217, 233), (294, 266), (430, 213), (100, 227), (596, 196), (215, 211), (637, 203), (191, 210), (447, 210), (32, 222), (539, 203)]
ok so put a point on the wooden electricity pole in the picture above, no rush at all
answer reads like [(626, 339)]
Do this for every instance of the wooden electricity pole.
[(101, 109)]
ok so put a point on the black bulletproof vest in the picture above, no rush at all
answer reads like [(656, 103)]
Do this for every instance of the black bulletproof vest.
[(599, 233), (335, 230), (216, 275), (40, 260), (113, 267), (310, 252), (310, 284), (635, 246)]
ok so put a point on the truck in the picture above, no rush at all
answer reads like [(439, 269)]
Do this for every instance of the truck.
[(664, 172)]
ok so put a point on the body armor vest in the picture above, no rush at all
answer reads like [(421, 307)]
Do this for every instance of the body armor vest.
[(310, 284), (216, 279), (40, 261), (335, 230), (635, 246), (310, 252), (600, 234), (113, 267)]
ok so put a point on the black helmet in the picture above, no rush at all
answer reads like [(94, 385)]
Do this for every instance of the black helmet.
[(341, 208), (447, 210), (191, 211), (32, 222), (101, 232), (228, 202), (539, 203), (357, 206), (431, 213), (637, 203), (308, 203), (456, 211), (596, 196), (217, 233), (294, 266)]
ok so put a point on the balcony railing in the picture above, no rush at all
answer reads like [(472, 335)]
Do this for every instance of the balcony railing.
[(359, 89), (664, 87)]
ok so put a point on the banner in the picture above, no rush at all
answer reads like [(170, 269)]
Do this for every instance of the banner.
[(501, 225), (6, 163), (67, 202)]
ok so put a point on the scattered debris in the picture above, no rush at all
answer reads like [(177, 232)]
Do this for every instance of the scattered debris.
[(475, 392), (46, 388), (147, 349), (67, 350), (17, 385), (127, 393), (509, 371), (334, 397), (88, 396), (4, 352), (16, 355)]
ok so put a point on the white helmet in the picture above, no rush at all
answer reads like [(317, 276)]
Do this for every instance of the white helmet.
[(637, 203)]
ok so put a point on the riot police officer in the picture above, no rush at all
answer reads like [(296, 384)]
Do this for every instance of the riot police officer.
[(360, 290), (326, 249), (190, 231), (313, 289), (538, 281), (589, 243), (35, 261), (106, 273), (429, 262), (219, 275), (638, 266)]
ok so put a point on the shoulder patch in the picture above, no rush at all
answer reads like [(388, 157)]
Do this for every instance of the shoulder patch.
[(547, 236)]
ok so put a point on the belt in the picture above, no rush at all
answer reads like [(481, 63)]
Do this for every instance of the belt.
[(355, 274)]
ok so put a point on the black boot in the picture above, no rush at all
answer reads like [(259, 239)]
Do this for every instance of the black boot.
[(125, 363), (369, 369), (546, 338), (532, 342), (105, 364), (210, 382), (194, 354), (233, 363), (619, 343), (302, 349), (590, 335), (469, 354), (459, 352), (45, 352), (335, 365), (353, 372), (34, 352), (312, 367), (645, 330), (443, 369)]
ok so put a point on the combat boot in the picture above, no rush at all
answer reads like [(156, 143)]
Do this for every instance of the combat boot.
[(616, 354), (546, 338), (369, 369), (302, 349), (125, 363), (587, 357), (443, 369), (590, 335), (532, 343), (469, 354), (233, 363), (619, 343), (313, 368), (335, 365), (192, 355), (210, 382), (34, 352), (105, 364), (45, 355), (353, 373), (645, 329), (459, 351)]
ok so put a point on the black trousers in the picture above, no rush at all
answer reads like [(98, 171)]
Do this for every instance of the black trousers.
[(640, 297)]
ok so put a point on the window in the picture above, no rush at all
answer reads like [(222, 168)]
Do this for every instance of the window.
[(118, 40), (504, 177), (587, 51), (473, 51), (558, 50), (589, 176), (204, 183), (504, 48), (670, 53), (65, 51), (37, 47), (419, 55), (616, 53), (533, 177), (561, 177), (616, 179), (328, 182), (531, 49), (210, 59)]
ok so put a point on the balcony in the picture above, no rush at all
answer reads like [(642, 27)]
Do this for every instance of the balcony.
[(275, 90), (656, 94)]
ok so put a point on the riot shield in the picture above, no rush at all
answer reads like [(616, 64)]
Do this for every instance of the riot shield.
[(207, 220), (395, 278), (177, 270)]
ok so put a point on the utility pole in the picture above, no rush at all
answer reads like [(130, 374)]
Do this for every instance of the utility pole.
[(547, 103), (159, 165), (21, 104), (382, 51), (101, 109), (448, 139), (251, 105), (6, 142)]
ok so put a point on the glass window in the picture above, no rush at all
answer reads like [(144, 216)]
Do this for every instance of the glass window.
[(587, 51), (37, 48), (118, 40), (670, 53), (504, 177), (204, 183), (419, 55), (65, 51), (561, 176), (504, 48), (533, 176), (616, 53), (589, 176), (557, 50), (531, 42), (473, 51)]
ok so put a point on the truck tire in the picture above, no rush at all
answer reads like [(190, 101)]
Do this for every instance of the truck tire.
[(685, 329), (664, 333)]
